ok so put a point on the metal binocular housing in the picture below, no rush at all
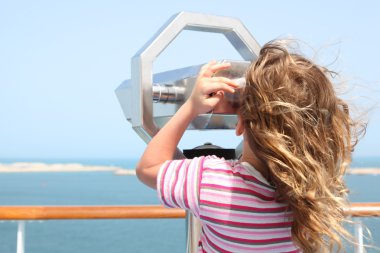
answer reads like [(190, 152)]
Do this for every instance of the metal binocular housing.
[(149, 100)]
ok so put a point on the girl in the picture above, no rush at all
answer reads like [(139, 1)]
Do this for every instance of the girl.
[(286, 192)]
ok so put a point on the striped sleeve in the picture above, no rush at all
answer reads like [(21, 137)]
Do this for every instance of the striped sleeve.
[(178, 183)]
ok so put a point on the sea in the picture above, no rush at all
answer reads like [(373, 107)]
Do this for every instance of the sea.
[(106, 188)]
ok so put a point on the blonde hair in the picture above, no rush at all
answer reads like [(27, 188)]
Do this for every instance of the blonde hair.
[(304, 134)]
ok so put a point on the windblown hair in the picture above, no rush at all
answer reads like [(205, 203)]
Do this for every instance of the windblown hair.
[(303, 133)]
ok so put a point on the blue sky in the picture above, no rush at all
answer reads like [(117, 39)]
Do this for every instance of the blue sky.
[(60, 62)]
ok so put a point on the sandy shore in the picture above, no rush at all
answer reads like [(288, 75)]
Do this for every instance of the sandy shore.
[(70, 167), (364, 171)]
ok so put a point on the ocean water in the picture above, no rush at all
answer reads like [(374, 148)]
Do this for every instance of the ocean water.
[(105, 188)]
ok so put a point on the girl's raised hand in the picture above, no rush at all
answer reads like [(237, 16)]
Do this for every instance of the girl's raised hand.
[(209, 90)]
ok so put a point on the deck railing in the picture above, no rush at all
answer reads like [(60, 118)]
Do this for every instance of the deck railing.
[(88, 212), (23, 213)]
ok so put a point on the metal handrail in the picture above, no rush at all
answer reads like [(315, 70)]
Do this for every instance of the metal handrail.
[(131, 212)]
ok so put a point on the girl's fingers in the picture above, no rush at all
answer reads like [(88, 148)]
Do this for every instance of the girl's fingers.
[(221, 79), (214, 84), (219, 66), (206, 68), (215, 99), (214, 87), (211, 68)]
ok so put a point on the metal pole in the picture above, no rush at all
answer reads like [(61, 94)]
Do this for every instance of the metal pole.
[(21, 237), (359, 237), (193, 233)]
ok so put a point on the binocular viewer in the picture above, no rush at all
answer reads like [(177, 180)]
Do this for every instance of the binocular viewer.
[(149, 100)]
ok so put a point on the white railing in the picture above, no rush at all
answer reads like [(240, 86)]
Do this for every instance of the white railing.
[(24, 213)]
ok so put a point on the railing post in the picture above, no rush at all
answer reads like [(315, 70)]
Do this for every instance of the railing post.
[(193, 227), (359, 236), (21, 237)]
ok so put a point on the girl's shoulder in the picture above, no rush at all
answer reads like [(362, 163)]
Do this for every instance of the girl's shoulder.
[(234, 168)]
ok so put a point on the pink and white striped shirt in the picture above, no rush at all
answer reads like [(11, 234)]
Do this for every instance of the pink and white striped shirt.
[(235, 204)]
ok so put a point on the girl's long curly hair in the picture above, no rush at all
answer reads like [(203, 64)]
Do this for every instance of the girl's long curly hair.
[(303, 133)]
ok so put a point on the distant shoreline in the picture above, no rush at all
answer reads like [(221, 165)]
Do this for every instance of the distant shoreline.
[(364, 171), (31, 167), (26, 167)]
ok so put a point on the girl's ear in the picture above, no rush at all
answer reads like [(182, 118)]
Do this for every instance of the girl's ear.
[(239, 130)]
